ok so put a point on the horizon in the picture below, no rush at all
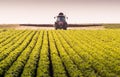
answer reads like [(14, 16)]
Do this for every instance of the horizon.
[(43, 12)]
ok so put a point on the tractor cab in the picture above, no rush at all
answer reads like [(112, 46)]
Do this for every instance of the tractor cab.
[(60, 18)]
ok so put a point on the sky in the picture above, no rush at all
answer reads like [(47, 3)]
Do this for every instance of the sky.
[(44, 11)]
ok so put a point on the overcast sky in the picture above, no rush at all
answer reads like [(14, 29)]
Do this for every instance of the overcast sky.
[(43, 11)]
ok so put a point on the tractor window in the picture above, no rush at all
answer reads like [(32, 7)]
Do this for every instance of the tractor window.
[(60, 18)]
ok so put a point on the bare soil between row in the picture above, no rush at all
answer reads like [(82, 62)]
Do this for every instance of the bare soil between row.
[(52, 28)]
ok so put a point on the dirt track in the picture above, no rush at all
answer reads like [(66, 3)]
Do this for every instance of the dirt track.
[(52, 28)]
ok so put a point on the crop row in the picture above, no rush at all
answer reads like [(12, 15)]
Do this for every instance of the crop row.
[(59, 53)]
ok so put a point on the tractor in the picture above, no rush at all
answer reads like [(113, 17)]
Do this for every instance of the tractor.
[(61, 22)]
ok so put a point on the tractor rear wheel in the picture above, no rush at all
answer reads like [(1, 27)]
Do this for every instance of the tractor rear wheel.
[(64, 28)]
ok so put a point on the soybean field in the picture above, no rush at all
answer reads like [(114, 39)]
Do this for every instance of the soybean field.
[(59, 53)]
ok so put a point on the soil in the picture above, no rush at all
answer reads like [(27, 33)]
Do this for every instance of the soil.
[(52, 28)]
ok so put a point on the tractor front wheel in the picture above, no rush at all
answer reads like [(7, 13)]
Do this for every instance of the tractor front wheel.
[(56, 28), (64, 28)]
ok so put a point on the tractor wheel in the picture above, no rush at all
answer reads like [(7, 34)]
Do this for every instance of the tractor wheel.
[(56, 28), (65, 28)]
